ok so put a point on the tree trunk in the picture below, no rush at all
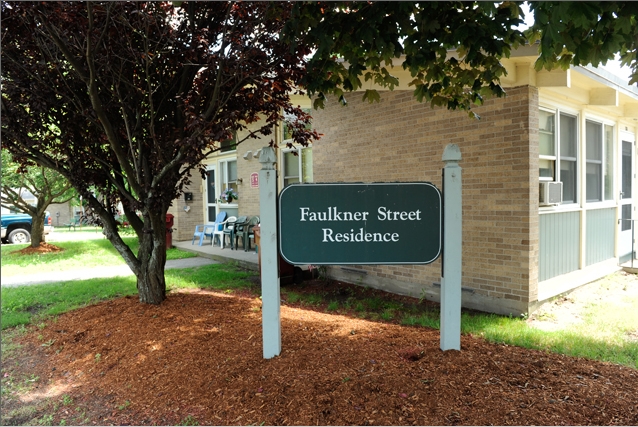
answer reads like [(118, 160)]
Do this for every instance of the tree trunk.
[(148, 265), (151, 283), (37, 229), (37, 221)]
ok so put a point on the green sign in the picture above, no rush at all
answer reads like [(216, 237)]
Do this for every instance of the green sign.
[(343, 223)]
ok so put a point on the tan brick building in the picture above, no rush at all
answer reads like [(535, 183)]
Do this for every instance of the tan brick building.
[(230, 168), (575, 127), (400, 140)]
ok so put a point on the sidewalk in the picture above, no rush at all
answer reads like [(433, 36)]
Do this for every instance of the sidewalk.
[(92, 273), (206, 254)]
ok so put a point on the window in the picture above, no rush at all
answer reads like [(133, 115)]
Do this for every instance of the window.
[(229, 144), (228, 175), (599, 146), (625, 179), (297, 162), (558, 151), (569, 157), (297, 166), (594, 166), (627, 148), (609, 163), (546, 146), (211, 194)]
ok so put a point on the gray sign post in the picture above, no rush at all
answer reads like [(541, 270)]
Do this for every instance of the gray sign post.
[(344, 223), (270, 291), (452, 249)]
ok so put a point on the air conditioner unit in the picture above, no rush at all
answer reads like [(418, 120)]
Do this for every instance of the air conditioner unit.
[(550, 193)]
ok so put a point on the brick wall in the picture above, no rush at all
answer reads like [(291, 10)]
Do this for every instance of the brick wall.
[(184, 222), (400, 140), (248, 202)]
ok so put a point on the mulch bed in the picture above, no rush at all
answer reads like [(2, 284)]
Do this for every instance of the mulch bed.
[(197, 358), (44, 248)]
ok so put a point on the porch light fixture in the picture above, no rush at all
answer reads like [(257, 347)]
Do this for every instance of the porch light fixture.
[(249, 155)]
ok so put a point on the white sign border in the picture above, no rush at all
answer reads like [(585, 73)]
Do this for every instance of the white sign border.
[(340, 184)]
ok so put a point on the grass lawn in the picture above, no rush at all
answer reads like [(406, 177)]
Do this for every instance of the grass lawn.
[(27, 304), (77, 254), (605, 331)]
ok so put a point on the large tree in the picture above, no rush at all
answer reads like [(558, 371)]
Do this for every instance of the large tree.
[(47, 185), (142, 92), (452, 49), (126, 98), (582, 33)]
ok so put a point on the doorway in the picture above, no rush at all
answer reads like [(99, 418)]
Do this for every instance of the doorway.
[(211, 195), (626, 223)]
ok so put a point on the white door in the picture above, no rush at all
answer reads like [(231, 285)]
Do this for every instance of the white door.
[(626, 224), (210, 198)]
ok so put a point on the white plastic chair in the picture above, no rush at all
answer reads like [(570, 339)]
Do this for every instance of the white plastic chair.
[(224, 230), (219, 221)]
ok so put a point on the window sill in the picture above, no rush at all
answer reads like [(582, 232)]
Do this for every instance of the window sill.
[(601, 205), (572, 207)]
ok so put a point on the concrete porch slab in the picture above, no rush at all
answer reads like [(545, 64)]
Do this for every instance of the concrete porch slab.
[(247, 259)]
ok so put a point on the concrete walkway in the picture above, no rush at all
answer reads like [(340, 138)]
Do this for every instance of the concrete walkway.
[(206, 254), (92, 273)]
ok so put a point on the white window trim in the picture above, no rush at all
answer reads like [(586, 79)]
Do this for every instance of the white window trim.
[(557, 110), (299, 149), (553, 158), (211, 167), (614, 146), (222, 170)]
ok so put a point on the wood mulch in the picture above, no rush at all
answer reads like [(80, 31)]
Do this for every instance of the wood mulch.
[(43, 248), (197, 359)]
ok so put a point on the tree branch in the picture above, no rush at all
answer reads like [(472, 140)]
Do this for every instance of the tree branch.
[(97, 103)]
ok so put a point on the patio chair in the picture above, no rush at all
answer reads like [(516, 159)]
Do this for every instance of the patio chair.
[(73, 223), (218, 225), (229, 224), (201, 232), (219, 231), (247, 233), (237, 226)]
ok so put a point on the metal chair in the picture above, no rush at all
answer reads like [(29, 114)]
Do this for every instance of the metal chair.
[(229, 225), (201, 231)]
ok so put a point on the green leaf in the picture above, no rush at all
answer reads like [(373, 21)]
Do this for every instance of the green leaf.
[(371, 96)]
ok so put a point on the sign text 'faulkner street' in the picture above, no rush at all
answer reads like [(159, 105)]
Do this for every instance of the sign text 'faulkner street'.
[(360, 235)]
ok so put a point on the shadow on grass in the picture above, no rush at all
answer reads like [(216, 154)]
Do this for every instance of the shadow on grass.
[(75, 254), (21, 305)]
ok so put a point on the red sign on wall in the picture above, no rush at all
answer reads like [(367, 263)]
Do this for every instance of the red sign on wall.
[(254, 180)]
